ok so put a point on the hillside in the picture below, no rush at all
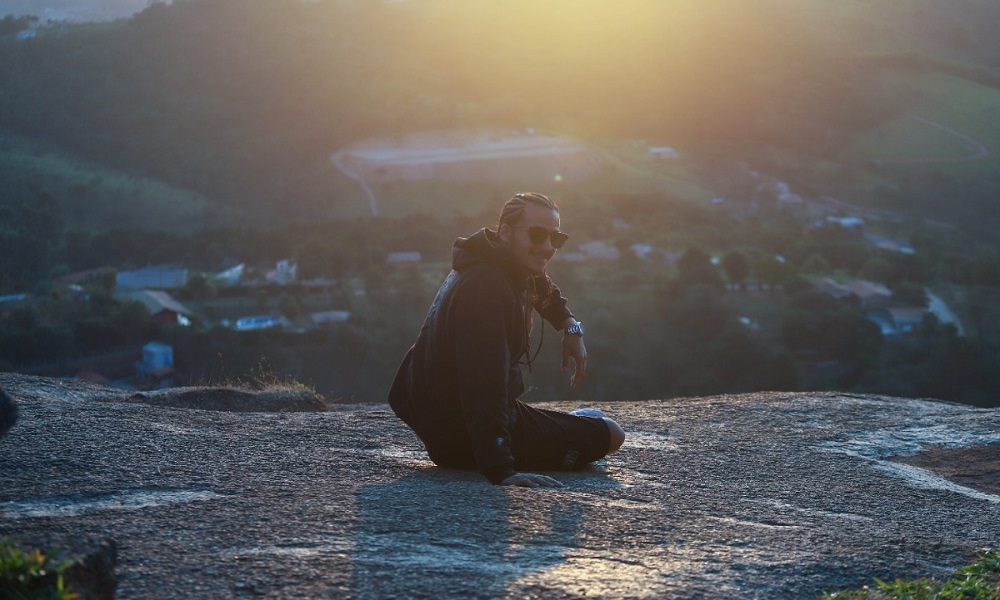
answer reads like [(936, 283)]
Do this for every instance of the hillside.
[(750, 496), (244, 103), (202, 134)]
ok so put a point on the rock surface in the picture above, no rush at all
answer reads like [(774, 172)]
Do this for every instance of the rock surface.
[(770, 495)]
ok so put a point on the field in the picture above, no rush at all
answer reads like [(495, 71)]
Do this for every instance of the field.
[(921, 136)]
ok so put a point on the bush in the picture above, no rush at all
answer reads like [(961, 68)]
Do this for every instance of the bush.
[(978, 581), (30, 574)]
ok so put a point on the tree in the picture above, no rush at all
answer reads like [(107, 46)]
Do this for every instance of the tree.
[(693, 260), (909, 294), (772, 271), (696, 268), (11, 24), (737, 267)]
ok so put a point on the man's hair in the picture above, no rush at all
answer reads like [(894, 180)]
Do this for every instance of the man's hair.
[(513, 211)]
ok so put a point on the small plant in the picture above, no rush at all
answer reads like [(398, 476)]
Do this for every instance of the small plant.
[(978, 581), (263, 377), (31, 575)]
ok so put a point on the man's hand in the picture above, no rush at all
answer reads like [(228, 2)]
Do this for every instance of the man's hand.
[(575, 355), (530, 480)]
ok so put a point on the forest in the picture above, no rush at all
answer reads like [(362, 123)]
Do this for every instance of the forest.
[(199, 132)]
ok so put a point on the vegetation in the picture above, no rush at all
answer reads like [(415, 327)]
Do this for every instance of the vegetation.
[(31, 574), (977, 581)]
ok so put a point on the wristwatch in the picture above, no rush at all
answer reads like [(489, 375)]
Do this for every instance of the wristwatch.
[(574, 329)]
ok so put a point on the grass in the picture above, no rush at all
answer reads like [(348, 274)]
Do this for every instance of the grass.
[(31, 574), (260, 378), (977, 581)]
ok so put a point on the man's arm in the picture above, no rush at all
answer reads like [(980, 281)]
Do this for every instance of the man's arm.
[(552, 306), (574, 353)]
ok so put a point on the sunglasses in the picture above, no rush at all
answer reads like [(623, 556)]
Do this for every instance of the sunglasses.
[(538, 235)]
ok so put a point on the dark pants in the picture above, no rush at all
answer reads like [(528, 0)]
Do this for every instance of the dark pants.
[(540, 440)]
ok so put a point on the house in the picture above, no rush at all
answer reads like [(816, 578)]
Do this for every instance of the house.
[(151, 278), (854, 225), (902, 321), (258, 323), (284, 273), (908, 320), (330, 316), (161, 306), (230, 276), (643, 251), (85, 277), (789, 200), (403, 259), (662, 152), (157, 364), (831, 288), (598, 250), (870, 295)]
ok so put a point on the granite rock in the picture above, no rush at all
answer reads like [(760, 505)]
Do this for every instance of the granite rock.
[(766, 495)]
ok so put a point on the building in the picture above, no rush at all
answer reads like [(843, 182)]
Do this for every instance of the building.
[(156, 368), (161, 306), (662, 152), (470, 156), (831, 288), (257, 323), (330, 317), (908, 320), (870, 295), (403, 259), (283, 273), (855, 225), (231, 276), (598, 250), (151, 278)]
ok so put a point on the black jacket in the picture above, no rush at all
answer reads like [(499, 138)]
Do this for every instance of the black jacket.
[(461, 376)]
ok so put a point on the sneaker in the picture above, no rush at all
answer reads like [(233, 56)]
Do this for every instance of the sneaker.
[(588, 412)]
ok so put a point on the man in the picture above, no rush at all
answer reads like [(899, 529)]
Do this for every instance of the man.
[(458, 385)]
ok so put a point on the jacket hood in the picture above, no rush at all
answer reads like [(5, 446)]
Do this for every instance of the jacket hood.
[(485, 246)]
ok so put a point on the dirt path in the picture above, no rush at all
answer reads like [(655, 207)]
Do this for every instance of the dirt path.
[(338, 161)]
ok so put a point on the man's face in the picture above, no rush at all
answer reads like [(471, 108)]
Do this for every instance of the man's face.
[(532, 256)]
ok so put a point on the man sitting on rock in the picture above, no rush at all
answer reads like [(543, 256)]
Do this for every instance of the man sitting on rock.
[(458, 385)]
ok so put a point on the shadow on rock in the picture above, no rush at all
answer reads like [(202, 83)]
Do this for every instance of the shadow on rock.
[(447, 533)]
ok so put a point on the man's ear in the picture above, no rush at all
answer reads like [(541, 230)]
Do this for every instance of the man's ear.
[(504, 232)]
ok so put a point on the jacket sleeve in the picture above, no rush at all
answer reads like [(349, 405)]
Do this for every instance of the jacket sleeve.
[(483, 313), (550, 304)]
